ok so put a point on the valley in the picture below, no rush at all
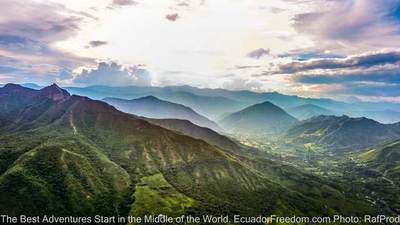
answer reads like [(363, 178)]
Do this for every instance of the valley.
[(354, 170)]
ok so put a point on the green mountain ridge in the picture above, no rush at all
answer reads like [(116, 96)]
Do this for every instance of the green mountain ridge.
[(385, 158), (70, 155), (342, 133)]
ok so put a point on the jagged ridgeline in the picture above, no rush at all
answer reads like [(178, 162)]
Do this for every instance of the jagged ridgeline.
[(70, 155)]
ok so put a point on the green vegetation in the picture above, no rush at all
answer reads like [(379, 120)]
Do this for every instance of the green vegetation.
[(341, 133), (154, 196)]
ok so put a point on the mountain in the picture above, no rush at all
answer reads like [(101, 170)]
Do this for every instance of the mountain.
[(307, 111), (153, 107), (342, 133), (70, 155), (263, 118), (379, 169), (210, 106), (385, 158)]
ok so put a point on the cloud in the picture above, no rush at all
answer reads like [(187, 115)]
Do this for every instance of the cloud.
[(369, 75), (371, 90), (384, 76), (242, 84), (27, 41), (351, 24), (258, 53), (183, 4), (382, 81), (122, 3), (44, 23), (172, 17), (95, 44), (246, 67), (113, 74), (305, 55), (357, 61)]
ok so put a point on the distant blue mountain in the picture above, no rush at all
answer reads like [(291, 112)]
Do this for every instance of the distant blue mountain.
[(261, 119), (308, 111), (152, 107)]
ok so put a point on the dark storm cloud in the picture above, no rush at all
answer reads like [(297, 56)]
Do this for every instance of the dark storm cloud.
[(121, 3), (246, 67), (385, 76), (95, 44), (258, 53), (183, 4), (358, 61), (365, 89), (124, 2), (172, 17), (303, 56)]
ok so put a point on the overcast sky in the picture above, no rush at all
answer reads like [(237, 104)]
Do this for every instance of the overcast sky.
[(316, 48)]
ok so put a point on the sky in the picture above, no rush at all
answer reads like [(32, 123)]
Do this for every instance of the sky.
[(343, 49)]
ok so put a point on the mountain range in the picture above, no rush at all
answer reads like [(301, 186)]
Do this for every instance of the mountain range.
[(217, 103), (64, 154), (210, 106), (152, 107)]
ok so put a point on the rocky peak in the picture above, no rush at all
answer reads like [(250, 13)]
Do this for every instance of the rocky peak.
[(55, 92)]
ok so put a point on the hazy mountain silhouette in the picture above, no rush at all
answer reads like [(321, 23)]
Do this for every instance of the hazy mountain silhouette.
[(307, 111), (263, 118), (153, 107)]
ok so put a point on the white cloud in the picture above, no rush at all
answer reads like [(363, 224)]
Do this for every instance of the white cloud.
[(113, 74), (242, 84), (351, 26)]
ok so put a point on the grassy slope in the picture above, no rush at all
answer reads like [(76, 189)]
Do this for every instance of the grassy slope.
[(154, 195)]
